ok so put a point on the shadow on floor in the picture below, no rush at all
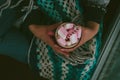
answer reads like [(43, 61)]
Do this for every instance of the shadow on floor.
[(11, 69)]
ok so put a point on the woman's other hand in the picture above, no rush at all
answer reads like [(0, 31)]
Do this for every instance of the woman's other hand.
[(45, 33), (87, 33)]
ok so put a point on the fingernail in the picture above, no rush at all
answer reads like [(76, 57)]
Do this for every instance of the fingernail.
[(55, 46), (50, 33)]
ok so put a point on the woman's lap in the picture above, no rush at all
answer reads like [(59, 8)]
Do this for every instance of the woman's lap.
[(12, 42), (15, 45), (49, 65)]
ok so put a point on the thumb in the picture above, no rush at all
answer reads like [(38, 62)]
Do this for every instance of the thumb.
[(54, 26)]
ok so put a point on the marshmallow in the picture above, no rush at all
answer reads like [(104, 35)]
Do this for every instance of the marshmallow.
[(70, 31), (68, 34), (62, 41), (69, 26), (69, 43), (79, 33), (62, 32), (73, 38)]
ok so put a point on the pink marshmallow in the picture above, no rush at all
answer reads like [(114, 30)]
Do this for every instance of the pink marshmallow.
[(73, 38), (79, 33), (62, 32), (70, 31), (62, 41)]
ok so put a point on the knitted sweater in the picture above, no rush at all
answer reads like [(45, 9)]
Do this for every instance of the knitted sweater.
[(53, 67), (94, 10), (44, 60)]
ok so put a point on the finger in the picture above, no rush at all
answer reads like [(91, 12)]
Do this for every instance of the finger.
[(70, 49), (51, 33), (54, 26), (58, 49), (81, 42), (50, 42), (84, 36)]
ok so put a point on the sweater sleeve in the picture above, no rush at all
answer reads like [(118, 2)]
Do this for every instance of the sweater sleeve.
[(94, 10)]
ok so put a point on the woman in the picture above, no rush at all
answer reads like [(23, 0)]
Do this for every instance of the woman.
[(46, 60)]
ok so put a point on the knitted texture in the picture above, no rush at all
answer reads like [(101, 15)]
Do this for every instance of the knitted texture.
[(53, 66), (60, 10)]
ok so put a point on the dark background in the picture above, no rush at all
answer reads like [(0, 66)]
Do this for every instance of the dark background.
[(11, 69)]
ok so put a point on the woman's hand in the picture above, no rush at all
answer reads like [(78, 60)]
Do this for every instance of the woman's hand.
[(44, 32), (87, 34)]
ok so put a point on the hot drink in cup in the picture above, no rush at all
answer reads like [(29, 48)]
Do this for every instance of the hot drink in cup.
[(68, 35)]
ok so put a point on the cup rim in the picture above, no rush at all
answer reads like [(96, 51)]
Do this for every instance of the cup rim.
[(56, 35)]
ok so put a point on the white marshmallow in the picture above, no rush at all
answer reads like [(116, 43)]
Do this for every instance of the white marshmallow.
[(62, 32), (69, 43), (69, 26), (73, 38)]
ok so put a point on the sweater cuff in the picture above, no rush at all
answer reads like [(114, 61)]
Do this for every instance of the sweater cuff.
[(94, 13)]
